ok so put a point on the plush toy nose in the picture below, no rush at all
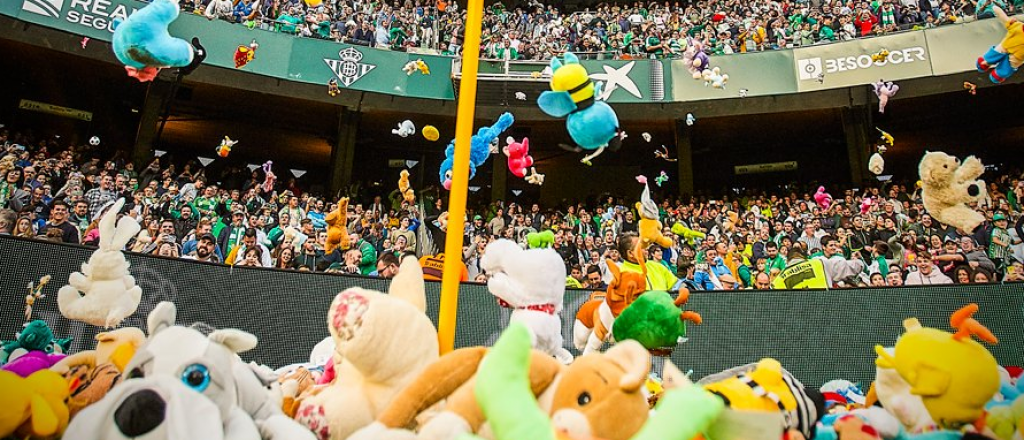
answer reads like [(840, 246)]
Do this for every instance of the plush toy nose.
[(973, 190), (140, 413)]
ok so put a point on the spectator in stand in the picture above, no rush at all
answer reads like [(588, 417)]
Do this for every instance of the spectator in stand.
[(926, 273), (59, 220)]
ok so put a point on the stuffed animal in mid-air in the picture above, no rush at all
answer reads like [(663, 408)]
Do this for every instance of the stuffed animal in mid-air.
[(104, 293), (184, 384), (269, 178), (876, 164), (405, 129), (382, 344), (337, 228), (687, 234), (34, 349), (954, 375), (405, 187), (519, 158), (144, 46), (532, 284), (479, 149), (884, 90), (649, 225), (33, 406), (592, 123), (412, 66), (655, 320), (1002, 60), (540, 240), (715, 78), (225, 146), (244, 54), (947, 186), (695, 59), (822, 198)]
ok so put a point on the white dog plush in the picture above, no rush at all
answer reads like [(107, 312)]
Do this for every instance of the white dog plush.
[(104, 292), (382, 343), (183, 385), (532, 284)]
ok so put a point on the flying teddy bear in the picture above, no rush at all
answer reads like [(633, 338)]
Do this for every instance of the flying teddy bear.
[(92, 373), (144, 46), (337, 228), (33, 406), (947, 186), (382, 343), (182, 384), (405, 187), (104, 293), (532, 284), (577, 398)]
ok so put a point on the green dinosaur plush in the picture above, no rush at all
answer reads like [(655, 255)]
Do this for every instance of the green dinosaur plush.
[(36, 336), (686, 233), (543, 239), (654, 320)]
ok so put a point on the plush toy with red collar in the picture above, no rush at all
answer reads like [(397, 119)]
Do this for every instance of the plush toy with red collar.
[(532, 284)]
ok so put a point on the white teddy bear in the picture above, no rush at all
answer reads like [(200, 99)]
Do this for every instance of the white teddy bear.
[(947, 186), (104, 293), (532, 284)]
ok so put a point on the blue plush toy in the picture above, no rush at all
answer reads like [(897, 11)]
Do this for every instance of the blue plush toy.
[(144, 46), (592, 124), (479, 149)]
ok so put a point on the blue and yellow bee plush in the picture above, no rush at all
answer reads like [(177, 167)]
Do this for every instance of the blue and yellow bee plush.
[(592, 124), (144, 46)]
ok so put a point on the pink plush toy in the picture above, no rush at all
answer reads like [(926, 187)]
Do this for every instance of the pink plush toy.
[(268, 182), (33, 361), (884, 91), (866, 204), (823, 198), (519, 159)]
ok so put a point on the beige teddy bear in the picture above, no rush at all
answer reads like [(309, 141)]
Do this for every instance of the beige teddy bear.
[(947, 186)]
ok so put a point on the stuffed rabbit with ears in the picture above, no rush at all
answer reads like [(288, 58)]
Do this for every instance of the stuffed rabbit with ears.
[(104, 293)]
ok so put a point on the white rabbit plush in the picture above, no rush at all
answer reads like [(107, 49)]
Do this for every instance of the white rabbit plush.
[(104, 292)]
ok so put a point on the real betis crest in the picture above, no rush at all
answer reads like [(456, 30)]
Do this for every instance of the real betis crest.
[(348, 68)]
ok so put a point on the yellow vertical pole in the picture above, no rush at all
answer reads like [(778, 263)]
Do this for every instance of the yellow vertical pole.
[(460, 178)]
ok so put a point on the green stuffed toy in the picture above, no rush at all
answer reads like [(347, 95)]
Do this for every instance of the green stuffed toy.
[(36, 336), (654, 320), (538, 240), (503, 392), (686, 233)]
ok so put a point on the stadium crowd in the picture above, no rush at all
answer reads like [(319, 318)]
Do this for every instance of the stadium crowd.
[(56, 193), (534, 31)]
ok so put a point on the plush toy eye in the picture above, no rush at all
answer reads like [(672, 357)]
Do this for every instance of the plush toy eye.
[(196, 376), (583, 399), (136, 373), (448, 175)]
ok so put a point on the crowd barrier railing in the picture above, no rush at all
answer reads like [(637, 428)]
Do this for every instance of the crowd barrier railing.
[(818, 335)]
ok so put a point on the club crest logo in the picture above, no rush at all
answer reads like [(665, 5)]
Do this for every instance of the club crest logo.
[(348, 68)]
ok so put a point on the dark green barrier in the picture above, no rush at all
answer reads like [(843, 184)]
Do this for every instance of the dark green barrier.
[(817, 335)]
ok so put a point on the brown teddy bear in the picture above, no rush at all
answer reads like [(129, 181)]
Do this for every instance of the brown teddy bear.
[(578, 397), (947, 186), (92, 373), (337, 228)]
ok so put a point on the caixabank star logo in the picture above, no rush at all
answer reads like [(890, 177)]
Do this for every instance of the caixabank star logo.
[(349, 67)]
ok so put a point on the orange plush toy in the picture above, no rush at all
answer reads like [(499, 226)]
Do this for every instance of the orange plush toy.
[(649, 225), (405, 188), (337, 228), (591, 331)]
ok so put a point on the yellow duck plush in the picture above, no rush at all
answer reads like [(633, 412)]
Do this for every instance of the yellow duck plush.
[(952, 373), (34, 406)]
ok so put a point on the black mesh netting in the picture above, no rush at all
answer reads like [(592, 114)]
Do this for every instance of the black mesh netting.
[(817, 335)]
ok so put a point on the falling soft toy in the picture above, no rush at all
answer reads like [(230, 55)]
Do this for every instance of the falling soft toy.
[(430, 133), (245, 54), (649, 226), (479, 149), (183, 384), (948, 186), (405, 187), (695, 59), (519, 158), (876, 164), (144, 46), (337, 228), (269, 178), (416, 65), (405, 129), (104, 293), (715, 78), (1002, 60), (822, 198), (225, 146), (884, 91), (655, 320), (532, 284), (687, 234), (592, 123), (535, 178), (540, 240)]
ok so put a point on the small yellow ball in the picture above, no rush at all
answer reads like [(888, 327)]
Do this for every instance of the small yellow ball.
[(430, 133)]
